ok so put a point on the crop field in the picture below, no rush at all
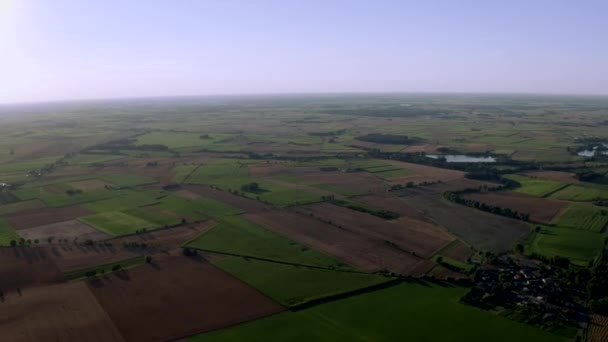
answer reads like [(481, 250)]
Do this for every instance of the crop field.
[(7, 233), (540, 209), (238, 236), (205, 299), (585, 217), (375, 317), (580, 193), (293, 285), (580, 246), (323, 212), (117, 223), (536, 186), (80, 318)]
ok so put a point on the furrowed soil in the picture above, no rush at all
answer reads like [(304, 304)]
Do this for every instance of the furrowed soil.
[(22, 267), (360, 251), (541, 210), (44, 216), (423, 239), (177, 297), (68, 230), (63, 312), (482, 230), (240, 202)]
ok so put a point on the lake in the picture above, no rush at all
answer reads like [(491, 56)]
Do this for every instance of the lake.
[(462, 158)]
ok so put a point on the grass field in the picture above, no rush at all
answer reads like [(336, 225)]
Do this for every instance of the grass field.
[(293, 285), (181, 207), (125, 181), (117, 223), (406, 312), (215, 209), (156, 218), (127, 199), (535, 186), (233, 174), (238, 236), (61, 198), (7, 233), (586, 217), (580, 246), (580, 193), (18, 206), (182, 172)]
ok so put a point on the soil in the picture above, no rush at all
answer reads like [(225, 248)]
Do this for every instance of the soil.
[(177, 297), (44, 216)]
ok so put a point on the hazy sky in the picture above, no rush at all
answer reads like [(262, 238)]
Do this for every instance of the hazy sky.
[(68, 49)]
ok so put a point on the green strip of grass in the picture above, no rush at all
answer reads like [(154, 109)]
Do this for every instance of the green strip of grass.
[(105, 268)]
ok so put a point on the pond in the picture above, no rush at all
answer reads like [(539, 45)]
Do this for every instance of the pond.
[(462, 158), (591, 153)]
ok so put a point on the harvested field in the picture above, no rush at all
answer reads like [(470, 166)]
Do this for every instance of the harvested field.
[(364, 253), (68, 230), (69, 257), (22, 267), (267, 169), (541, 210), (355, 183), (457, 250), (443, 273), (392, 203), (194, 297), (598, 328), (560, 176), (482, 230), (44, 216), (14, 208), (89, 184), (240, 202), (187, 194), (421, 173), (63, 312), (422, 238)]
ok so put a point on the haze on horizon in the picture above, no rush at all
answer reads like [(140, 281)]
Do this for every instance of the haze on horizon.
[(71, 49)]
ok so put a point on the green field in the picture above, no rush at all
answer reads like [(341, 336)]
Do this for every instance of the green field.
[(406, 312), (126, 181), (62, 199), (535, 186), (233, 174), (586, 217), (154, 217), (183, 207), (117, 223), (238, 236), (293, 285), (580, 193), (127, 199), (18, 206), (580, 246), (7, 233), (181, 172), (215, 209)]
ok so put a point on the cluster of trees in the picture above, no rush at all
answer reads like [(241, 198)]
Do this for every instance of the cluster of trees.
[(327, 134), (456, 198), (411, 184), (129, 244), (385, 214), (389, 139), (72, 192)]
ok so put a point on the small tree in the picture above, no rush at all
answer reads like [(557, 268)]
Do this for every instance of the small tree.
[(148, 259), (13, 243)]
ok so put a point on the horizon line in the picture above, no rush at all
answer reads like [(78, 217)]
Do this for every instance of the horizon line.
[(273, 94)]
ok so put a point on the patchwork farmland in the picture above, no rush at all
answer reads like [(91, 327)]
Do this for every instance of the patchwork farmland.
[(319, 220)]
